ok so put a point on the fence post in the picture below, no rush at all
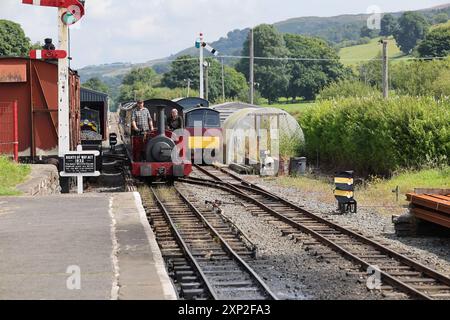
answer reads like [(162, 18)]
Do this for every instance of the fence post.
[(16, 131)]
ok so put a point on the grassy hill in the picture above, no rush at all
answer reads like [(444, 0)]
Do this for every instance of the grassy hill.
[(356, 54), (333, 29)]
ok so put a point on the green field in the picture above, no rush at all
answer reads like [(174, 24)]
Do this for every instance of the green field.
[(11, 175), (359, 54), (294, 109)]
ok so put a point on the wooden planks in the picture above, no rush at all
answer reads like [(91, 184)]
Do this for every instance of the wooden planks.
[(434, 208)]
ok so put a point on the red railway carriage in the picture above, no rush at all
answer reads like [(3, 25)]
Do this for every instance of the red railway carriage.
[(34, 85), (159, 154)]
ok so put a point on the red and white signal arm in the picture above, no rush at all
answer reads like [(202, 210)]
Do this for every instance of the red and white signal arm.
[(74, 7), (48, 54)]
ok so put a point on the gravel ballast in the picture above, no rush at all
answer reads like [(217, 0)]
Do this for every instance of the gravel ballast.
[(433, 252), (288, 268)]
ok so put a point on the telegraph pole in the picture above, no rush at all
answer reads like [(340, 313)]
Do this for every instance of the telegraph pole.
[(252, 63), (188, 87), (385, 70), (202, 83), (207, 80), (223, 81)]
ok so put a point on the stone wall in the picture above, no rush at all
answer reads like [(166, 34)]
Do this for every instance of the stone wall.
[(43, 180)]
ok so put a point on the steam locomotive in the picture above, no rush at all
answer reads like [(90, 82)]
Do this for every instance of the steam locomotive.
[(160, 154)]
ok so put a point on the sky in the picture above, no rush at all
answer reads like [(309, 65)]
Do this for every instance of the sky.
[(141, 30)]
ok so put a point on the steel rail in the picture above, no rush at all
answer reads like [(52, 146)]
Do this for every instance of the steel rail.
[(226, 247), (419, 267), (184, 246), (219, 183)]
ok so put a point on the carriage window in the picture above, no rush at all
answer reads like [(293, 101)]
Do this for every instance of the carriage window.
[(212, 119), (194, 116)]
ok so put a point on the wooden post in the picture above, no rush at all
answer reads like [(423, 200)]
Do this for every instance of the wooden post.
[(385, 70), (207, 80), (252, 63), (223, 81), (202, 83)]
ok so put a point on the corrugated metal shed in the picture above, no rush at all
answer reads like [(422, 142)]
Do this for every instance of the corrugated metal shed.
[(228, 108), (88, 95)]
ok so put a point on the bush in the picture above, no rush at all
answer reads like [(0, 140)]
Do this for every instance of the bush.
[(377, 137), (441, 86), (290, 146), (419, 78), (347, 88)]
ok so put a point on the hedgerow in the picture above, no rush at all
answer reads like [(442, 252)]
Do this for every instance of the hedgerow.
[(377, 137)]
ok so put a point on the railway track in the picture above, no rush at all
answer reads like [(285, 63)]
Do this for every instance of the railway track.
[(204, 255), (396, 270)]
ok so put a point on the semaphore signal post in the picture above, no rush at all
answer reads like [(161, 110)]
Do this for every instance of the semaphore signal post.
[(69, 13)]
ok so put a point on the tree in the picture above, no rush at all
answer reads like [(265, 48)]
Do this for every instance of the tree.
[(370, 72), (138, 84), (271, 74), (235, 83), (13, 41), (307, 78), (441, 18), (136, 91), (388, 25), (436, 43), (366, 32), (182, 69), (412, 27), (144, 75), (187, 67), (96, 84)]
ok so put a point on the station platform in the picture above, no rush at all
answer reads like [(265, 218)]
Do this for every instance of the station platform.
[(88, 247)]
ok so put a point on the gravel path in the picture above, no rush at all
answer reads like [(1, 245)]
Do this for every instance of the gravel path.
[(291, 271)]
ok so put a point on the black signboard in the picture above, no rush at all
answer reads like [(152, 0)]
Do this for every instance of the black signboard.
[(79, 163)]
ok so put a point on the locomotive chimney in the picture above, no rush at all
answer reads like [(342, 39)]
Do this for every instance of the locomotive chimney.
[(162, 121)]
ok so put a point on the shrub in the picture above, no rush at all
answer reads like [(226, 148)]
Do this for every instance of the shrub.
[(290, 146), (347, 88), (418, 78), (441, 86), (377, 137)]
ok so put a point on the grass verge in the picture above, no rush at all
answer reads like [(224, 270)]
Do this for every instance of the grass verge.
[(295, 109), (11, 174)]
